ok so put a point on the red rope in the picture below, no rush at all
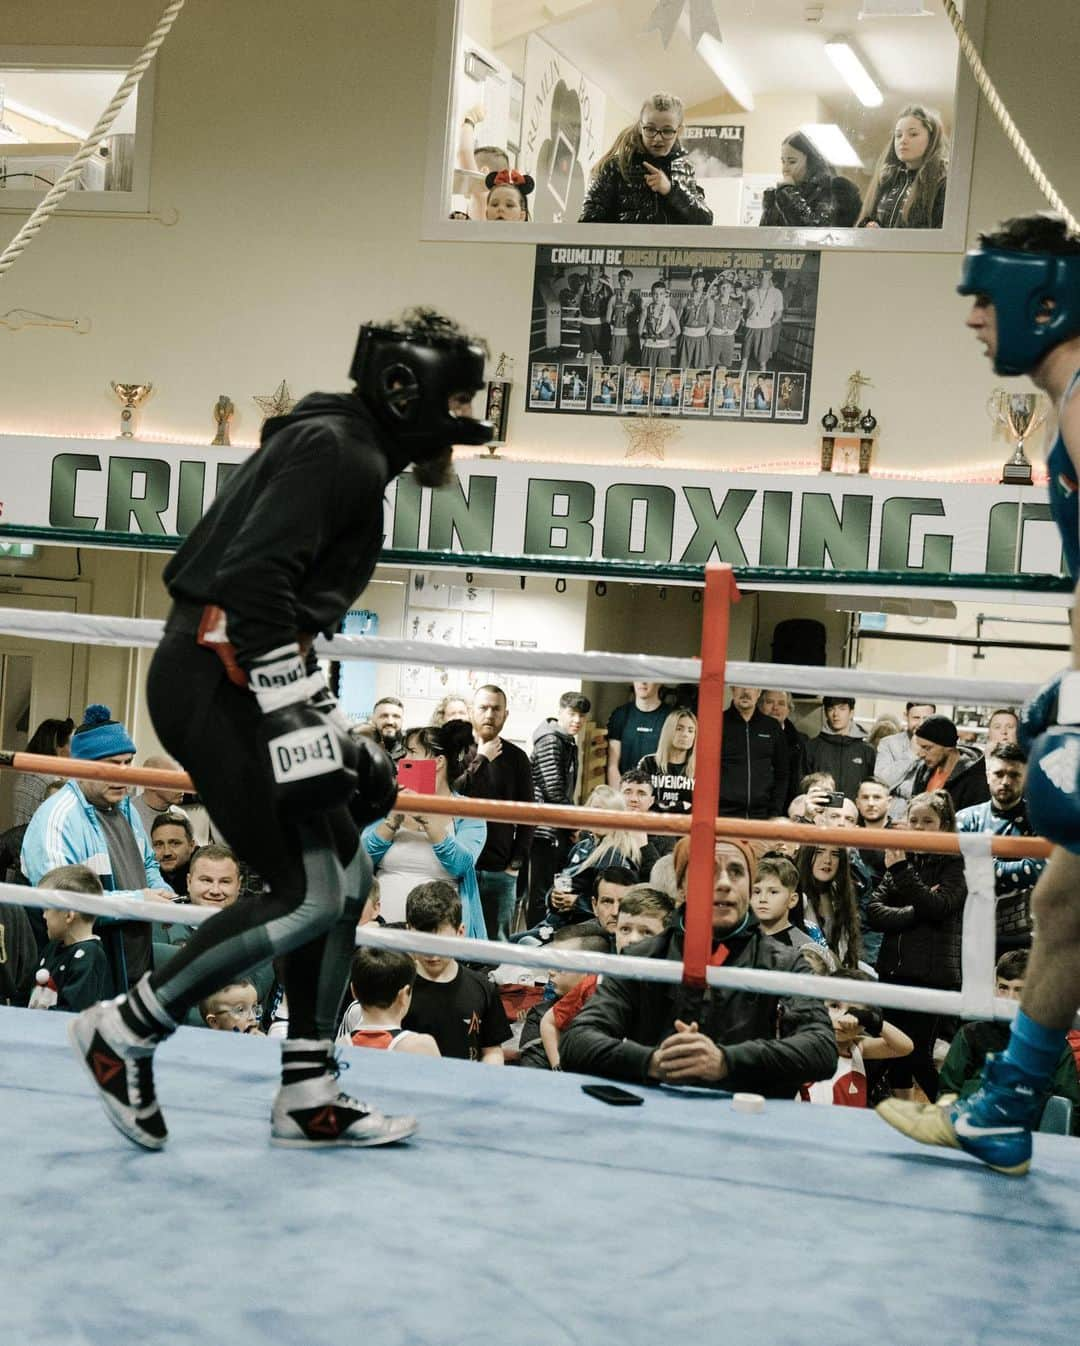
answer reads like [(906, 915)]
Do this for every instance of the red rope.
[(558, 815), (720, 593)]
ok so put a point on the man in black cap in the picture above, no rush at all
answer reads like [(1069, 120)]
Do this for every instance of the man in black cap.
[(946, 764), (841, 748), (237, 696)]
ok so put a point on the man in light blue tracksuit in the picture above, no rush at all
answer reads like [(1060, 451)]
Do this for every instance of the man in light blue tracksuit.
[(94, 823)]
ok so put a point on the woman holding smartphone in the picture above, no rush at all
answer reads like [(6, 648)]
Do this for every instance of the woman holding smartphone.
[(407, 849)]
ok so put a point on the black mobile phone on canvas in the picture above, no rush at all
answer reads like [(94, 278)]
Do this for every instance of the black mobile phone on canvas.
[(608, 1093)]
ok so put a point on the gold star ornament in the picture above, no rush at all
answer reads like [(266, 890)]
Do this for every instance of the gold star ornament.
[(647, 436), (278, 403)]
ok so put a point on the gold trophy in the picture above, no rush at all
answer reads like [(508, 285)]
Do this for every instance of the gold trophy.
[(224, 410), (132, 395), (1021, 414)]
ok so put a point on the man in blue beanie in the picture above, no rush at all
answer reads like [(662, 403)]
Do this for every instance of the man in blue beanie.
[(94, 823)]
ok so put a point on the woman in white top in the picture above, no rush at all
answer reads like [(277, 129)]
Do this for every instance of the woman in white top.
[(408, 849)]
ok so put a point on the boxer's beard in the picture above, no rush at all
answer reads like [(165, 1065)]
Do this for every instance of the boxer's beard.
[(435, 471)]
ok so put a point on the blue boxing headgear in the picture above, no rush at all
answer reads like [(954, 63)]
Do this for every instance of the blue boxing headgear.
[(406, 377), (1017, 284)]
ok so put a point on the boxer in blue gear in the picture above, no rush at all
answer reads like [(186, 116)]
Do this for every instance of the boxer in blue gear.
[(1025, 286)]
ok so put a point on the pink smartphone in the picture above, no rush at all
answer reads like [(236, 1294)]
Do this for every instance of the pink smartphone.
[(417, 773)]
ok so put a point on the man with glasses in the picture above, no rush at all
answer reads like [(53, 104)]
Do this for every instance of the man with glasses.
[(646, 176)]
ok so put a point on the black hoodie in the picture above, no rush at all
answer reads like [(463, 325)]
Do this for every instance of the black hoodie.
[(295, 534)]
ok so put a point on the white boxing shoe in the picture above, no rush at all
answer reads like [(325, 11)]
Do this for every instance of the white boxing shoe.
[(314, 1114)]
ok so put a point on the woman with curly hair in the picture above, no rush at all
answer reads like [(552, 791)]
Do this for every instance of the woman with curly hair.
[(907, 190)]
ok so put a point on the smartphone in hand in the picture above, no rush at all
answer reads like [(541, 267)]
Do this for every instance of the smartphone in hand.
[(417, 773)]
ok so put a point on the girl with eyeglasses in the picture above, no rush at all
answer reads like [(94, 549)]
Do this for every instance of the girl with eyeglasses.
[(646, 176)]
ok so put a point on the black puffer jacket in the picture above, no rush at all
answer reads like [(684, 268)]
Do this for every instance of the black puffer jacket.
[(919, 905), (815, 202), (887, 211), (772, 1044), (611, 199)]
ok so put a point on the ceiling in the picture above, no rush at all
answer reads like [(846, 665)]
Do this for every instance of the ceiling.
[(75, 97), (774, 46)]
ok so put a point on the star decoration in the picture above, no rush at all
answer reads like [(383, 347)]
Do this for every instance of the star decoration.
[(278, 403), (667, 13), (647, 436)]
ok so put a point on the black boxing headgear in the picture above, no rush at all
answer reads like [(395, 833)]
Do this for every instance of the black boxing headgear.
[(406, 377)]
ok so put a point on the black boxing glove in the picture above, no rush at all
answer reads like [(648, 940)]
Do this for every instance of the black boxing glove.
[(376, 786), (313, 761)]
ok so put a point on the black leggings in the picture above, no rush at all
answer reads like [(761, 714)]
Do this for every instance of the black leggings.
[(307, 917), (922, 1029)]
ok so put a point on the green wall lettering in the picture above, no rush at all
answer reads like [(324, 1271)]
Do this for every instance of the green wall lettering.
[(121, 503), (63, 486), (659, 523), (407, 497), (189, 496), (714, 529), (896, 516), (471, 517), (541, 519), (775, 528), (224, 474), (846, 539), (1001, 548)]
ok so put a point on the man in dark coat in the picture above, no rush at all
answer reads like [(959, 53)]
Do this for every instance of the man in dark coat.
[(946, 764), (665, 1032)]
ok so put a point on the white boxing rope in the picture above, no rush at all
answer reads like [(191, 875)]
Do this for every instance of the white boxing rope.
[(979, 935), (590, 665), (758, 981)]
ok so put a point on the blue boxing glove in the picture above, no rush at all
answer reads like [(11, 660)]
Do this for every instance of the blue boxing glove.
[(1053, 786), (1038, 714), (312, 757), (1053, 778)]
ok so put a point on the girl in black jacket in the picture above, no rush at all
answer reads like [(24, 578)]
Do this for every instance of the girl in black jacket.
[(646, 176), (811, 193), (919, 905), (908, 188)]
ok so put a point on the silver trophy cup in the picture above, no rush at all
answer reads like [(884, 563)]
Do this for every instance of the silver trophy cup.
[(1021, 414)]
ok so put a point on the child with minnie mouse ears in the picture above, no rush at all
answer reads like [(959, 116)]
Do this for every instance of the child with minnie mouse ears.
[(508, 191)]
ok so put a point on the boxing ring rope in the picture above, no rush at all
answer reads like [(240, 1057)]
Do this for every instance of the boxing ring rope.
[(1001, 112), (582, 665), (974, 1000), (565, 815)]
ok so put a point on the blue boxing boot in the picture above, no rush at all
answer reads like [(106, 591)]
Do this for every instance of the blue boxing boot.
[(994, 1124)]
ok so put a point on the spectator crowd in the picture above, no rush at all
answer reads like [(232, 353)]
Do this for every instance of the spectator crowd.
[(852, 911)]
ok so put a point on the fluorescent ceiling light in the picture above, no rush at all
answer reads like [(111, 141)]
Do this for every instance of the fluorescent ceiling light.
[(842, 54), (893, 9), (833, 144), (716, 56)]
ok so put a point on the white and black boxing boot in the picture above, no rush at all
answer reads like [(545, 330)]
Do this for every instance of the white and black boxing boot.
[(115, 1041), (310, 1111)]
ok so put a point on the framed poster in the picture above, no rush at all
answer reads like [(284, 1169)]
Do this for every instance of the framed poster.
[(683, 332)]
